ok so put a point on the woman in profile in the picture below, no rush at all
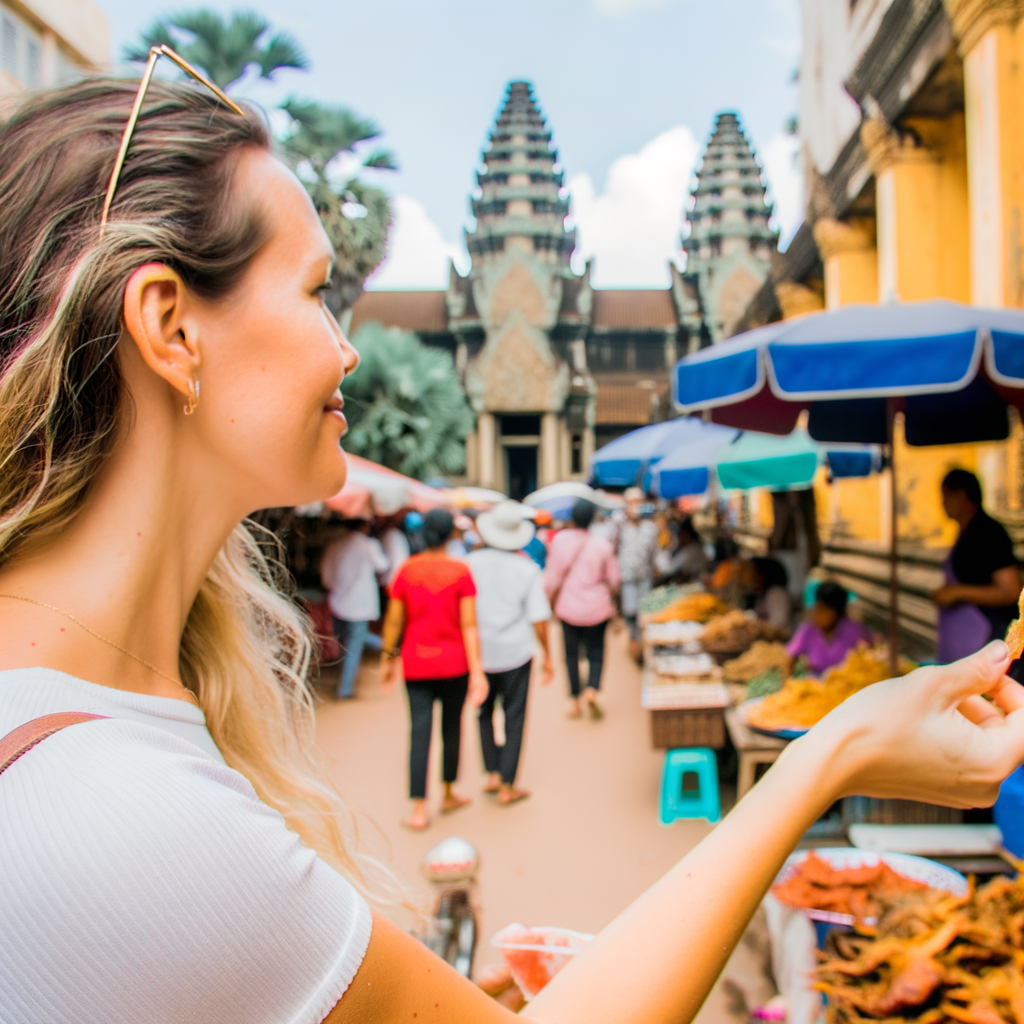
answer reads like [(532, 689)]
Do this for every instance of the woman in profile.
[(183, 856)]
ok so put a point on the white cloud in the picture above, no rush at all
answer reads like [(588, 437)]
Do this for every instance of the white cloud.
[(618, 7), (784, 171), (418, 253), (632, 227)]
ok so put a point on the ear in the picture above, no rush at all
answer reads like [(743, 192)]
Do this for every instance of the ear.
[(155, 314)]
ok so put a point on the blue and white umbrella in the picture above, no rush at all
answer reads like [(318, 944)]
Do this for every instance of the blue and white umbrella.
[(759, 460), (628, 460), (950, 368)]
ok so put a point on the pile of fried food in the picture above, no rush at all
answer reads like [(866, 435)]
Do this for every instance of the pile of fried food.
[(932, 958), (735, 632), (690, 608), (802, 703), (762, 656), (858, 891)]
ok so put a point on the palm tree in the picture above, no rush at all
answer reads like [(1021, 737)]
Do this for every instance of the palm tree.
[(356, 215), (224, 50), (405, 406)]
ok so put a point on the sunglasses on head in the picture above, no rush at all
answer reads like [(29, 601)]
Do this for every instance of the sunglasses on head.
[(155, 54)]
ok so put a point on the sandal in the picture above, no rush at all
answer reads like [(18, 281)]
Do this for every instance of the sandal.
[(596, 714), (458, 802), (514, 797)]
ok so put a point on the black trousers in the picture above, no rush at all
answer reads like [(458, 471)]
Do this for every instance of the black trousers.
[(451, 692), (592, 638), (512, 687)]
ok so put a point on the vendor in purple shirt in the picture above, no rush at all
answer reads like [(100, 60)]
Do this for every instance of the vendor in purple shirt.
[(827, 636)]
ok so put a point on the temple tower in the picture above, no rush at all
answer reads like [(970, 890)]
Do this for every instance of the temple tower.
[(728, 251), (520, 316), (520, 203)]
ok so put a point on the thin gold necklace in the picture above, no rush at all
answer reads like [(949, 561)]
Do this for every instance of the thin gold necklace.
[(109, 643)]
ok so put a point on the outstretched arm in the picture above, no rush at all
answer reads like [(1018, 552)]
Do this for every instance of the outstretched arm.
[(928, 736)]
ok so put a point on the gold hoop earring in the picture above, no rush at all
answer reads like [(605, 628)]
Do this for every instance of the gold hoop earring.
[(193, 398)]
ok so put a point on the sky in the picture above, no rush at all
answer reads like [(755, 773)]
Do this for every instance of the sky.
[(630, 89)]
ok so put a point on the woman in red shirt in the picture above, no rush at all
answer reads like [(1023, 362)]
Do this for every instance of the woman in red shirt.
[(432, 596)]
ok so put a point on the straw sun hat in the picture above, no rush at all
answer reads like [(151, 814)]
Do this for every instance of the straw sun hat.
[(507, 526)]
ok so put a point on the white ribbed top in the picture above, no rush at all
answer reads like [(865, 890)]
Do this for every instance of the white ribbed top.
[(143, 881)]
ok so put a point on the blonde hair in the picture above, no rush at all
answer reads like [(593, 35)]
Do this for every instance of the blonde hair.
[(247, 648)]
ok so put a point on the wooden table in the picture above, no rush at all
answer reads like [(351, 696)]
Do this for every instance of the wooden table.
[(753, 748)]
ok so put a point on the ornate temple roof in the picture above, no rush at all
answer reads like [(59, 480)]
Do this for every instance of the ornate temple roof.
[(520, 184), (633, 309), (424, 312), (729, 199)]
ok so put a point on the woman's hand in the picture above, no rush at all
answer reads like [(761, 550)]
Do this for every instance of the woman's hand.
[(931, 735), (478, 688)]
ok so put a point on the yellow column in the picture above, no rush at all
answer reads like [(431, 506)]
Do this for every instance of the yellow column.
[(851, 261), (922, 211), (992, 49), (795, 299)]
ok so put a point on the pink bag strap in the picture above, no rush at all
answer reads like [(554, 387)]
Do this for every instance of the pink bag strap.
[(25, 737)]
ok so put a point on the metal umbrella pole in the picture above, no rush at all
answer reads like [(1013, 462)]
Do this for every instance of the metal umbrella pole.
[(894, 583)]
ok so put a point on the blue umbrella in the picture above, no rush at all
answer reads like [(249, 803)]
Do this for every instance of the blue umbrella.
[(759, 460), (629, 459), (951, 369)]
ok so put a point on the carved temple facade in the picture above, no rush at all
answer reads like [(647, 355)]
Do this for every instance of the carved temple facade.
[(553, 367)]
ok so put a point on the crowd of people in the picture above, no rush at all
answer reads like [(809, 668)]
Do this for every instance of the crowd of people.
[(470, 599)]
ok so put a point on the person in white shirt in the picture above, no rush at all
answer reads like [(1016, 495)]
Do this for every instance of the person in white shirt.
[(349, 571), (396, 549), (512, 615)]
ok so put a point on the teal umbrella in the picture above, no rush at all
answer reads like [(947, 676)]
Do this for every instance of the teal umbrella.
[(761, 460)]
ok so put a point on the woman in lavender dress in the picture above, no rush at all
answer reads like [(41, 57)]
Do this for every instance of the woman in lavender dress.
[(827, 635)]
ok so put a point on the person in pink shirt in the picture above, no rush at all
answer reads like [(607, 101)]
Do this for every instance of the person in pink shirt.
[(581, 577)]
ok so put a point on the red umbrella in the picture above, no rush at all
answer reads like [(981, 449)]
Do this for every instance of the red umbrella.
[(372, 489)]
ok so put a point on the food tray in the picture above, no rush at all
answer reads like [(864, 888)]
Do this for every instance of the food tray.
[(676, 696), (918, 869), (685, 665), (793, 733)]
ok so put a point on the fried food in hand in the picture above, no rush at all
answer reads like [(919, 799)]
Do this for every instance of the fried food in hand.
[(1015, 634)]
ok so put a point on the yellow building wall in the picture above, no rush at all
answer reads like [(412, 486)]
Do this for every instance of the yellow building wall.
[(923, 215), (858, 508)]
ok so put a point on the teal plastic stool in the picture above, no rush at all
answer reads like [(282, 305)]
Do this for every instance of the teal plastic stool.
[(689, 785)]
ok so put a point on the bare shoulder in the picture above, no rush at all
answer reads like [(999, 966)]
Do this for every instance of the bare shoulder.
[(400, 979)]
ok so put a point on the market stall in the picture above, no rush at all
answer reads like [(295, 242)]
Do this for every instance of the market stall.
[(950, 370)]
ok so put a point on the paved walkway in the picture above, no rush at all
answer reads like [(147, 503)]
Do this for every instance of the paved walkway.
[(574, 854)]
